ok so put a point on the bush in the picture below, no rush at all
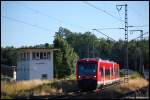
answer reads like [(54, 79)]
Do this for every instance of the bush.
[(5, 78), (70, 77), (121, 74), (135, 75), (6, 97)]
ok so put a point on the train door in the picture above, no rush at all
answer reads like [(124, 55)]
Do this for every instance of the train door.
[(110, 74), (113, 72), (102, 71), (103, 74)]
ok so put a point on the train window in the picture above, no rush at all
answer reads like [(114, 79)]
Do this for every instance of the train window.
[(87, 68), (107, 72), (116, 72), (112, 72), (101, 70)]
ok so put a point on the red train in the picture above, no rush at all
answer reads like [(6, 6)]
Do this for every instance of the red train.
[(92, 73)]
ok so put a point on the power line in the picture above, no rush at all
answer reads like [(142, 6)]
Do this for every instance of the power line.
[(33, 25), (58, 20), (109, 28), (139, 36), (104, 34), (101, 10), (121, 27), (37, 11), (138, 26)]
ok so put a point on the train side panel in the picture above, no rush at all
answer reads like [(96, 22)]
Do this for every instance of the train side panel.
[(106, 73)]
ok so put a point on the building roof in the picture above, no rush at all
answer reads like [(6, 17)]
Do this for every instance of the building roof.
[(54, 49)]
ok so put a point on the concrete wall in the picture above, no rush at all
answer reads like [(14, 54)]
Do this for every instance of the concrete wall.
[(34, 68), (39, 67), (22, 70)]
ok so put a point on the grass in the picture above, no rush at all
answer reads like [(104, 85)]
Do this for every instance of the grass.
[(14, 88), (37, 87), (54, 87), (135, 75), (137, 83)]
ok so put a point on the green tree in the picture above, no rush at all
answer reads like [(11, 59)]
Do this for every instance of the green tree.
[(10, 54), (65, 59)]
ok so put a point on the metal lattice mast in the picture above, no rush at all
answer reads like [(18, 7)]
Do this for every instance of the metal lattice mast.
[(126, 40), (126, 79), (141, 57)]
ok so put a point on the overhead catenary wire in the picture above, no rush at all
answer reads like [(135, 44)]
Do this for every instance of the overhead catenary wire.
[(139, 36), (104, 34), (20, 21), (139, 26), (87, 3), (109, 28), (50, 16), (131, 26)]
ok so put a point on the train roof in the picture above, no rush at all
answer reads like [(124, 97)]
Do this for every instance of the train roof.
[(96, 60)]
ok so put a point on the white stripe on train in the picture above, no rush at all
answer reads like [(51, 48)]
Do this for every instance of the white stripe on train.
[(107, 82)]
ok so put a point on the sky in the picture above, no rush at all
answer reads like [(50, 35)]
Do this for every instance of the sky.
[(28, 23)]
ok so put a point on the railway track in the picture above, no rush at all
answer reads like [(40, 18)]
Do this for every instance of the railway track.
[(80, 94), (99, 92), (139, 93), (73, 94)]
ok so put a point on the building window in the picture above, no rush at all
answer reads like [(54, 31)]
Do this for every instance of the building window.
[(28, 56), (33, 55), (20, 56), (44, 76), (44, 55), (24, 56), (41, 55), (37, 56), (48, 55)]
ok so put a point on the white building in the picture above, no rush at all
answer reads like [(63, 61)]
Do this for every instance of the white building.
[(34, 63)]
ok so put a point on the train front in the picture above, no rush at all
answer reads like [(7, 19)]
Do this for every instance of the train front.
[(86, 72)]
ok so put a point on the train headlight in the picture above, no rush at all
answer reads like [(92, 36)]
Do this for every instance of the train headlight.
[(94, 76), (78, 76)]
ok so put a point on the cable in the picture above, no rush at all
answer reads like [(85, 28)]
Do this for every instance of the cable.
[(33, 25), (109, 28), (58, 20), (101, 10), (139, 36), (139, 26), (37, 11), (104, 34), (122, 28)]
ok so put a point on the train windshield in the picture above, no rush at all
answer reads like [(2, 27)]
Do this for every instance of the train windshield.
[(88, 68)]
